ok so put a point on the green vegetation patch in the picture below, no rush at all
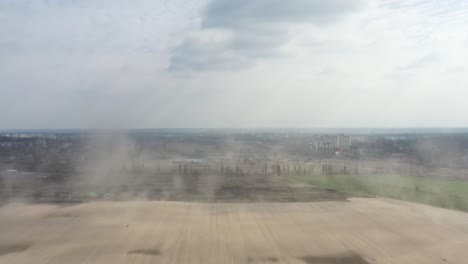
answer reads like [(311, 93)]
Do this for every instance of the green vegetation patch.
[(452, 194)]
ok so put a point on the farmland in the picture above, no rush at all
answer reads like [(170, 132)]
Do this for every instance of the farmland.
[(357, 231), (189, 198), (444, 193)]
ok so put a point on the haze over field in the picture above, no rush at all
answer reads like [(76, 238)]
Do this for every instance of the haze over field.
[(223, 63), (233, 131)]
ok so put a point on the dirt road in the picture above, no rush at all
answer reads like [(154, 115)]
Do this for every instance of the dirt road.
[(360, 231)]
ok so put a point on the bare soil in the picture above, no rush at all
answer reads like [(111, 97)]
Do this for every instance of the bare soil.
[(359, 231), (171, 187)]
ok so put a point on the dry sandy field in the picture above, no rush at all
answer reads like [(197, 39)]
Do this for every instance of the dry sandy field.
[(359, 231)]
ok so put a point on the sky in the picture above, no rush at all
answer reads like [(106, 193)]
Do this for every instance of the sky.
[(233, 64)]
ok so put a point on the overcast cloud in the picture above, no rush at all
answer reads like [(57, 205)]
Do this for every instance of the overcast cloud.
[(223, 63), (235, 34)]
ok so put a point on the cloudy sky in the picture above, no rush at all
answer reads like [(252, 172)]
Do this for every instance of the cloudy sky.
[(225, 63)]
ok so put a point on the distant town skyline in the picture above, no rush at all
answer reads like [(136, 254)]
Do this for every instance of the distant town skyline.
[(233, 64)]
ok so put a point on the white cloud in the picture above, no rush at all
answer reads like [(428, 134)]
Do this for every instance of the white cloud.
[(256, 29), (265, 64)]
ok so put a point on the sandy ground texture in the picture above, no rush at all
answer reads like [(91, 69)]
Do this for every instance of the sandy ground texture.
[(362, 230)]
